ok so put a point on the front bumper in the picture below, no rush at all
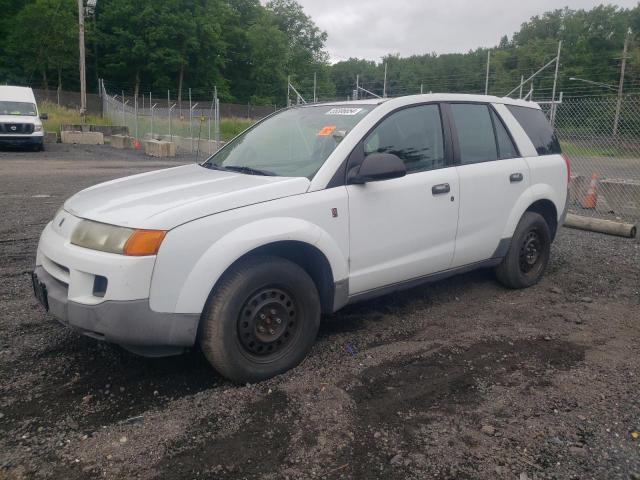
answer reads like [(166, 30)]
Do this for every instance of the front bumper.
[(22, 141), (131, 324), (119, 311)]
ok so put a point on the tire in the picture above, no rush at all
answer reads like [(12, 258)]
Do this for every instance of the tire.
[(244, 333), (528, 255)]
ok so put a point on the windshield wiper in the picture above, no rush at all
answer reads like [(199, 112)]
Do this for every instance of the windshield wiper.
[(213, 166), (250, 171)]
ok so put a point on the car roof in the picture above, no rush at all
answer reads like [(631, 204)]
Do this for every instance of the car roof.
[(438, 97), (16, 94)]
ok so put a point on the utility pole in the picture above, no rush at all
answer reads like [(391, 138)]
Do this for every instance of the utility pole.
[(486, 83), (288, 91), (555, 86), (83, 69), (616, 121), (384, 88), (357, 92), (315, 87)]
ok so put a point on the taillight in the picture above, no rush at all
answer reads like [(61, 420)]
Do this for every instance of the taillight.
[(568, 162)]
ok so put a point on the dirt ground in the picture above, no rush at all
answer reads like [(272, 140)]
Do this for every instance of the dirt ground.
[(457, 380)]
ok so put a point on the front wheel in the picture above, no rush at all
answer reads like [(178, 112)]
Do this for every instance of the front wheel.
[(261, 320), (529, 253)]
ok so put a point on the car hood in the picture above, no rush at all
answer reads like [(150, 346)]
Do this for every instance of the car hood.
[(164, 199)]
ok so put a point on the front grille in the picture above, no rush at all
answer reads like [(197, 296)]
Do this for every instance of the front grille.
[(16, 128)]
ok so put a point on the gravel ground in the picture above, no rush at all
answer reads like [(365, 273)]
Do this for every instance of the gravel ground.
[(458, 380)]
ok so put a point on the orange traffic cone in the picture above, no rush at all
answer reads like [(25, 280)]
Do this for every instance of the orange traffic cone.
[(590, 200)]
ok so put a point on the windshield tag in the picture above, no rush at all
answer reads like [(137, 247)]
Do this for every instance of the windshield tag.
[(348, 112), (327, 131)]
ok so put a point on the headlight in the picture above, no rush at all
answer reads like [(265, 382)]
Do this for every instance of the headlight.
[(120, 240), (37, 128)]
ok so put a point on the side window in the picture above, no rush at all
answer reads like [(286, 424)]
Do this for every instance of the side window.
[(475, 133), (413, 134), (538, 128), (506, 148)]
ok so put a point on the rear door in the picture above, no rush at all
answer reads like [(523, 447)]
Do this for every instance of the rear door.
[(404, 228), (493, 176)]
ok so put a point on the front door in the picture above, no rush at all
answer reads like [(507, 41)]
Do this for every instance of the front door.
[(405, 228)]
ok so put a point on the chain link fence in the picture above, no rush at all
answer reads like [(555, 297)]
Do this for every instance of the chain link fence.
[(198, 127), (601, 137)]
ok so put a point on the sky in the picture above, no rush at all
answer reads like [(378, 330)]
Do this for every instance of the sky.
[(372, 29)]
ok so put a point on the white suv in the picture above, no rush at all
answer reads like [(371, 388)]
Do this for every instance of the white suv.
[(311, 209)]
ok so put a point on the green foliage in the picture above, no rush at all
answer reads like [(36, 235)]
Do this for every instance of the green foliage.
[(41, 42), (248, 50), (244, 49)]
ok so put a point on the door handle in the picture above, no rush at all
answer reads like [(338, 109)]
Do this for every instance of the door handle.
[(441, 189), (516, 177)]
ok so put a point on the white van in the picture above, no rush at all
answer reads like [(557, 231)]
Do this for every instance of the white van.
[(20, 122), (311, 209)]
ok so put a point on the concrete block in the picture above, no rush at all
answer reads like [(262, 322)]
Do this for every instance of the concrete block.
[(106, 130), (68, 127), (50, 137), (159, 149), (110, 130), (622, 196), (82, 138), (203, 146), (121, 142)]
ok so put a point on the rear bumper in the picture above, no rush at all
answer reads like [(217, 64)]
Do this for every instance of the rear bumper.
[(131, 324)]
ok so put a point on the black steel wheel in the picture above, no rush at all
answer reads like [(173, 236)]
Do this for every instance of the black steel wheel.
[(267, 322), (528, 254), (261, 319)]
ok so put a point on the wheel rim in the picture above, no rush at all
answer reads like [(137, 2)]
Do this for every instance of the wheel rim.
[(531, 252), (267, 322)]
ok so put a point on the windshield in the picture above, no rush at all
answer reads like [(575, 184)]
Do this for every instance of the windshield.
[(292, 143), (17, 108)]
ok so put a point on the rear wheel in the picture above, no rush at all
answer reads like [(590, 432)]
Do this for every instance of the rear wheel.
[(529, 253), (261, 320)]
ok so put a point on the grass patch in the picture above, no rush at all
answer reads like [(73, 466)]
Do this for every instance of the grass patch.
[(575, 149), (231, 127), (60, 115)]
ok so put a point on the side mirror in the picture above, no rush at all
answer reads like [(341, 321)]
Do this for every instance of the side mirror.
[(377, 167), (44, 116)]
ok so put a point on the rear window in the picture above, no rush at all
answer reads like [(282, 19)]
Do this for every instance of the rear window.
[(536, 125)]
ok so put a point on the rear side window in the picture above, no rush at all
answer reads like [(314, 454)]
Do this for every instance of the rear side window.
[(538, 129), (475, 133), (506, 148)]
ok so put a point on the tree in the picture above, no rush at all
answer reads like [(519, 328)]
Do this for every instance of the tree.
[(43, 40)]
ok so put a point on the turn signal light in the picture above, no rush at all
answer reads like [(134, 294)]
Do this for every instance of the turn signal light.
[(143, 243)]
